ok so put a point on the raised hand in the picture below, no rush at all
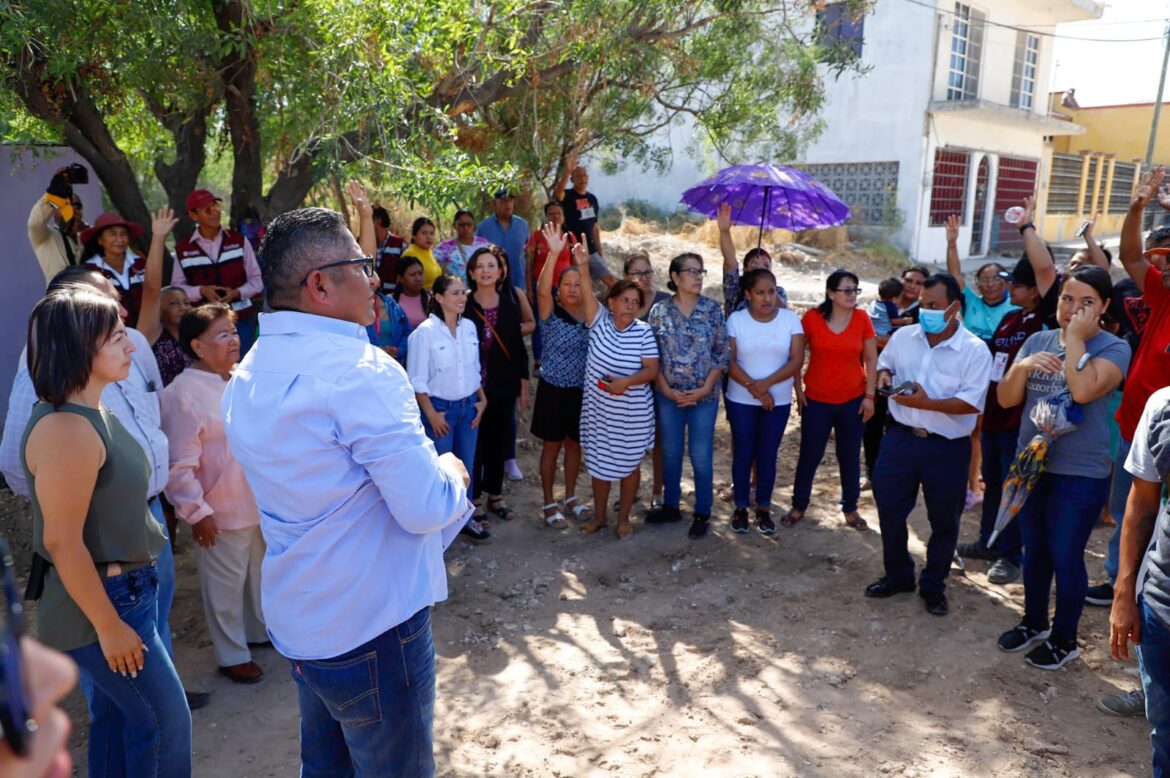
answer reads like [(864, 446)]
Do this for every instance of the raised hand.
[(571, 162), (1164, 196), (162, 223), (580, 254), (1150, 185), (952, 228), (723, 217), (358, 196), (1029, 210), (554, 237)]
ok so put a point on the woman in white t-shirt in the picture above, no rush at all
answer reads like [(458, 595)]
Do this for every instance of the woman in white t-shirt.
[(767, 352)]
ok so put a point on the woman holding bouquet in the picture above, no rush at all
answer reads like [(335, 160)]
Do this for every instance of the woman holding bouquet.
[(1079, 366)]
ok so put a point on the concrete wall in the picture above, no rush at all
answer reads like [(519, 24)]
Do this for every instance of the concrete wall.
[(1123, 130), (24, 174)]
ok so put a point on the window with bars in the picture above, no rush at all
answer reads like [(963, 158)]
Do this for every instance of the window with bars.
[(1024, 70), (1015, 180), (1064, 183), (966, 53), (1122, 190), (948, 191)]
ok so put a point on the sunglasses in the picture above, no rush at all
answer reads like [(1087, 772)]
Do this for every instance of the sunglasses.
[(15, 719), (367, 264)]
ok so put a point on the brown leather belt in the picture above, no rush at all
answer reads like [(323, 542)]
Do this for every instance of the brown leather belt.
[(917, 432)]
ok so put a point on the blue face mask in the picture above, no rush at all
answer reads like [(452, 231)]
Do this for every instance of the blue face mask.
[(933, 322)]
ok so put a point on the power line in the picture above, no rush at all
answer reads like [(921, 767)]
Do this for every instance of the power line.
[(1038, 33)]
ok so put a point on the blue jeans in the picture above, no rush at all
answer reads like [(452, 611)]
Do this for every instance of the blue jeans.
[(999, 451), (371, 710), (1118, 496), (756, 435), (247, 330), (673, 422), (844, 421), (460, 438), (938, 465), (1154, 652), (142, 722), (1056, 521)]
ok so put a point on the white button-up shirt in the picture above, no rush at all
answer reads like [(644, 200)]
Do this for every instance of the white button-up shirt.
[(354, 504), (440, 364), (133, 400), (958, 367)]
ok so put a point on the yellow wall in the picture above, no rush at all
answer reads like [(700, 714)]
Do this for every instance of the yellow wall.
[(1123, 130)]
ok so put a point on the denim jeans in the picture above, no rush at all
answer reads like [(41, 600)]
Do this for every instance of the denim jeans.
[(756, 434), (247, 330), (1056, 522), (999, 451), (674, 422), (844, 421), (370, 711), (1118, 496), (1154, 652), (460, 438), (138, 722), (939, 466)]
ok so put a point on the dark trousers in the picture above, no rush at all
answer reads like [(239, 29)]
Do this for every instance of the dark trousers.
[(999, 451), (496, 436), (844, 421), (939, 467), (875, 429)]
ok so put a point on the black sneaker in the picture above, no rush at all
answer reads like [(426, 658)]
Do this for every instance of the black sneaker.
[(667, 514), (699, 526), (1022, 637), (1101, 594), (975, 550), (764, 521), (1052, 656), (739, 521)]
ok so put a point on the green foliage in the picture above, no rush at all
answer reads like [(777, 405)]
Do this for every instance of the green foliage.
[(438, 101)]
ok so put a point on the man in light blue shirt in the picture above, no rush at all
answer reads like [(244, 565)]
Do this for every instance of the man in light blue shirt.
[(508, 231), (355, 505)]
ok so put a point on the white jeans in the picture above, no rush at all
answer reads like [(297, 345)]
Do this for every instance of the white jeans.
[(229, 578)]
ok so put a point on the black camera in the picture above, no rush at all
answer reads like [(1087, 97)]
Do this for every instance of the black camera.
[(78, 173)]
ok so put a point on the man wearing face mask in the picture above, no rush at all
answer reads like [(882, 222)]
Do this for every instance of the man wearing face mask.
[(936, 373)]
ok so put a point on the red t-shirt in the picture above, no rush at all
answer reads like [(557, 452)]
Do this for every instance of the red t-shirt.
[(1150, 370), (836, 363), (564, 259)]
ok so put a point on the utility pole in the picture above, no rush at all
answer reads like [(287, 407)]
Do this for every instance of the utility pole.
[(1158, 102)]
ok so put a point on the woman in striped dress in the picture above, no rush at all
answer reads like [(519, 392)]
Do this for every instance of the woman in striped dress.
[(617, 414)]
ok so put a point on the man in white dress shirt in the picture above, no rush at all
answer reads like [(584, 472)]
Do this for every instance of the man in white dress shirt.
[(355, 505), (944, 370)]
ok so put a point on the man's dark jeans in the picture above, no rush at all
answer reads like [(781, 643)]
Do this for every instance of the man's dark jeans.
[(371, 710), (939, 466), (1154, 651)]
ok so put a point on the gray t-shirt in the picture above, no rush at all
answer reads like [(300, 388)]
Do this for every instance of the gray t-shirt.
[(1084, 451), (1149, 460)]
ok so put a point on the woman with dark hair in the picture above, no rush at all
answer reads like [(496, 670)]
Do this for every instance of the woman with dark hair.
[(838, 395), (410, 295), (556, 417), (445, 372), (984, 308), (88, 481), (106, 246), (1075, 367), (453, 253), (391, 328), (617, 410), (755, 259), (527, 327), (692, 344), (767, 351), (637, 268), (503, 360), (536, 250), (422, 240), (209, 491)]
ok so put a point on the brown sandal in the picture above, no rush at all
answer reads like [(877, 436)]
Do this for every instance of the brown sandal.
[(624, 530), (592, 527), (856, 522), (791, 518)]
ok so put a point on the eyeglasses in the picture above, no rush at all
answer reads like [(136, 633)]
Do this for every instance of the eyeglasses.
[(640, 273), (694, 272), (847, 289), (995, 279), (16, 721), (367, 264), (464, 224)]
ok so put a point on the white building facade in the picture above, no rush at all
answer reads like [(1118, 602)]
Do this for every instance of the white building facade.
[(950, 118)]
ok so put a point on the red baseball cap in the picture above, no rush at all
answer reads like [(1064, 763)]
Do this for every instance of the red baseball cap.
[(201, 198)]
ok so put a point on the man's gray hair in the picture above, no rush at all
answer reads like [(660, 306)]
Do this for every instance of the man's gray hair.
[(296, 242)]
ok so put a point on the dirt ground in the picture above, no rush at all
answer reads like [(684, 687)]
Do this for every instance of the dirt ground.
[(561, 654)]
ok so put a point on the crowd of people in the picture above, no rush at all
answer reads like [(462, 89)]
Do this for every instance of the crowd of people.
[(336, 444)]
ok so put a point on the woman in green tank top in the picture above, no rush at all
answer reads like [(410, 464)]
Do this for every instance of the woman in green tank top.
[(88, 480)]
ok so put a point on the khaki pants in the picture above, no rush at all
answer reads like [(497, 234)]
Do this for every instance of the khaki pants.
[(229, 578)]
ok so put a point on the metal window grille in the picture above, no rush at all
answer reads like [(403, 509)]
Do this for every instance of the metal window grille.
[(948, 191), (870, 189), (966, 53), (1015, 181), (1064, 183), (1122, 190)]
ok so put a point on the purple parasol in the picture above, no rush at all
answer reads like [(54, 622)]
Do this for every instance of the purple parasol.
[(768, 196)]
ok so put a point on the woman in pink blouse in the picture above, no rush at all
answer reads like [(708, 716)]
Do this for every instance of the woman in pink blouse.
[(209, 491)]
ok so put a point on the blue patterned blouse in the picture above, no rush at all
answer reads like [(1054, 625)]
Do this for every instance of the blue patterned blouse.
[(692, 346), (566, 346)]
